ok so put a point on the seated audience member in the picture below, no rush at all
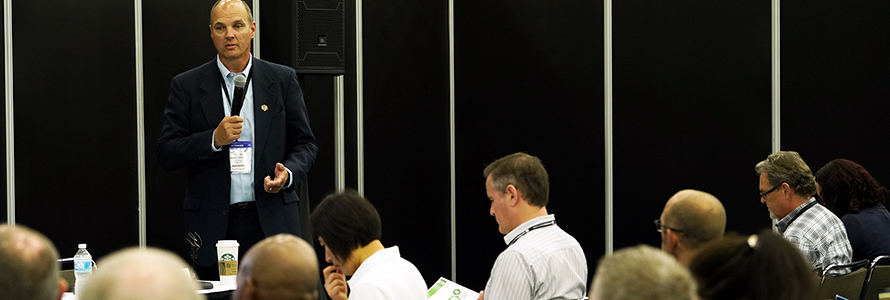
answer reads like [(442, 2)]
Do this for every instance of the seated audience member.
[(849, 191), (348, 227), (690, 220), (281, 267), (133, 274), (541, 260), (641, 273), (787, 188), (30, 267), (757, 267)]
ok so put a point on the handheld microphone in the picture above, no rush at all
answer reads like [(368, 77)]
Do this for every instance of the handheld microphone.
[(238, 94)]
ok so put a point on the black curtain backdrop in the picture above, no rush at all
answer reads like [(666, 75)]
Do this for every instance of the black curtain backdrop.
[(406, 132), (176, 38), (691, 109), (75, 125), (836, 82), (529, 77)]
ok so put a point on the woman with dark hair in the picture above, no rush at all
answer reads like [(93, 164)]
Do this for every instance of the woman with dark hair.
[(851, 193), (757, 267), (348, 227)]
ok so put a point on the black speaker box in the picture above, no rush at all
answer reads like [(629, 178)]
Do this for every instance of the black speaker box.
[(320, 40)]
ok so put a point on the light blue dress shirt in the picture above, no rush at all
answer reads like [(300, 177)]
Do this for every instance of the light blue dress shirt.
[(242, 186)]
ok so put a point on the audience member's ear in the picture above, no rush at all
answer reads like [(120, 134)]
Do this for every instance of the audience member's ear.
[(63, 287), (249, 290)]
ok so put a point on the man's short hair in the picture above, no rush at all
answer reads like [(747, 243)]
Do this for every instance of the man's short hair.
[(699, 215), (643, 273), (29, 262), (247, 7), (525, 172), (788, 167), (150, 274), (345, 221)]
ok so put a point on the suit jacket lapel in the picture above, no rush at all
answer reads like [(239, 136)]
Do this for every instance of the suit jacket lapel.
[(262, 95), (213, 108)]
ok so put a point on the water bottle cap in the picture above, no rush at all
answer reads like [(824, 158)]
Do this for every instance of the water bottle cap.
[(81, 246)]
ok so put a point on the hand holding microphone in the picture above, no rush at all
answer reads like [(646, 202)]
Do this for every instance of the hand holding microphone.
[(229, 129)]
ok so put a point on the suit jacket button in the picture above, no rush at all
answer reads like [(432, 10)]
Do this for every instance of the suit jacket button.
[(227, 186), (225, 212)]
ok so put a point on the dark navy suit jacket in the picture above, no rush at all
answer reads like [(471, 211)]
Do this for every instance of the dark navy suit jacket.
[(282, 134)]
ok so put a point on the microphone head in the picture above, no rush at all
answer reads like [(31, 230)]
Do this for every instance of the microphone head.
[(240, 81)]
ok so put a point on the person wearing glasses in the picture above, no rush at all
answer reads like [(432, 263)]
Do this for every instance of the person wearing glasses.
[(541, 260), (690, 220), (787, 187)]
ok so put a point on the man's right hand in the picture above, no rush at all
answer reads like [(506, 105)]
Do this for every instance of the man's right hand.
[(228, 131), (335, 283)]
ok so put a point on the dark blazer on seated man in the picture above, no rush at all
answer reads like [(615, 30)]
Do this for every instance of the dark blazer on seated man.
[(281, 134)]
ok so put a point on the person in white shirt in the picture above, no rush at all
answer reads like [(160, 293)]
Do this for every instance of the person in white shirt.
[(541, 260), (348, 226)]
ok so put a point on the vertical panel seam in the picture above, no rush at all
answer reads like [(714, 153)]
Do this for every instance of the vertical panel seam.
[(452, 145), (776, 78), (359, 101), (607, 41), (140, 123), (10, 129), (339, 135), (256, 37)]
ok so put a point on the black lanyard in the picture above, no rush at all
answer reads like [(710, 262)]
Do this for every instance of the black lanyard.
[(536, 226), (223, 84), (805, 208)]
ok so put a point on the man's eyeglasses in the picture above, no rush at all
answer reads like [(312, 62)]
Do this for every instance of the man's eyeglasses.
[(659, 227), (763, 195)]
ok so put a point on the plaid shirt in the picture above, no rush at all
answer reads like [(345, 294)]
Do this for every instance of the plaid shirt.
[(819, 234)]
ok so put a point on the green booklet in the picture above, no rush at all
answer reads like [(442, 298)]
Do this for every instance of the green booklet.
[(445, 289)]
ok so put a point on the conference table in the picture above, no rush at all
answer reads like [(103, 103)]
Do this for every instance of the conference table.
[(218, 292)]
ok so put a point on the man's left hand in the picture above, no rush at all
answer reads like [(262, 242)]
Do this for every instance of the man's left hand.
[(273, 186)]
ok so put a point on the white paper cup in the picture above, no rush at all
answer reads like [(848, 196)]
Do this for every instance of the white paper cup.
[(227, 256)]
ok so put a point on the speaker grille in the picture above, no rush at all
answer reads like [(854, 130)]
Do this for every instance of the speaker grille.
[(320, 37)]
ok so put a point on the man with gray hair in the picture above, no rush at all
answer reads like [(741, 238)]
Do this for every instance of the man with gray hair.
[(282, 267), (541, 260), (787, 187), (641, 273), (30, 267), (134, 274), (690, 220)]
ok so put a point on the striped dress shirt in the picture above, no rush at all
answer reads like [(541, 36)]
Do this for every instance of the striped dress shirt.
[(542, 263)]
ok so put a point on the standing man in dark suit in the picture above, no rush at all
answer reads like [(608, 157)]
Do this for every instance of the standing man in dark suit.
[(243, 170)]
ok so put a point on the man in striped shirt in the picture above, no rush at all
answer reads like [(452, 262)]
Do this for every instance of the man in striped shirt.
[(541, 260)]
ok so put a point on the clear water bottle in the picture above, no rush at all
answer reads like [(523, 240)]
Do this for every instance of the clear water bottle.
[(83, 267)]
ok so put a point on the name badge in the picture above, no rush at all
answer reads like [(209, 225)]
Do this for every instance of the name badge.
[(239, 157)]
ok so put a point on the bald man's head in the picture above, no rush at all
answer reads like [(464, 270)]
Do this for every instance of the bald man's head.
[(141, 274), (30, 267), (279, 267), (699, 215)]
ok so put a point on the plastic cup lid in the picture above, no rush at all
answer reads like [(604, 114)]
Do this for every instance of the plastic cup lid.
[(227, 243)]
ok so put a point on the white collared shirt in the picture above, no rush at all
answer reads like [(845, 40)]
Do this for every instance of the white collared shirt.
[(544, 263), (386, 275)]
